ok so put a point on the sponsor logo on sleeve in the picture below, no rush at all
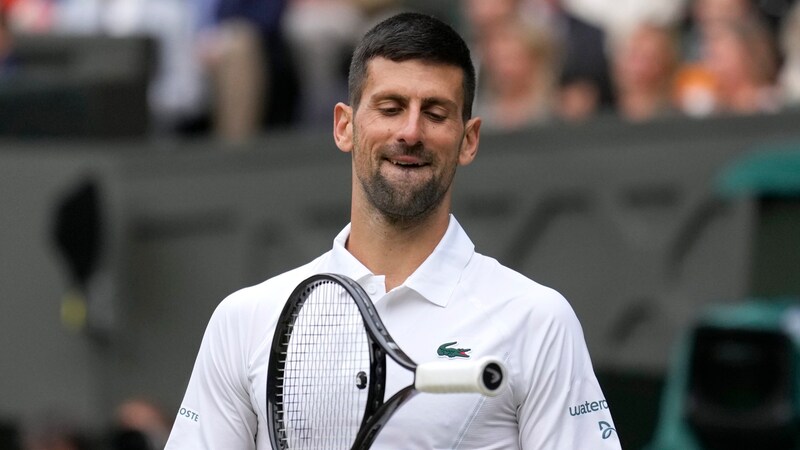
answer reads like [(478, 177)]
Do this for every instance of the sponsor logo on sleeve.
[(606, 429), (588, 407), (188, 414)]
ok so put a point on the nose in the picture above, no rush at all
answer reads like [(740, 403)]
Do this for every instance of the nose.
[(410, 131)]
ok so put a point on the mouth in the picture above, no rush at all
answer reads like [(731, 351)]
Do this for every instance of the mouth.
[(406, 161), (406, 165)]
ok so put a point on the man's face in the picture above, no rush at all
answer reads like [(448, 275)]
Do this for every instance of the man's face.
[(408, 137)]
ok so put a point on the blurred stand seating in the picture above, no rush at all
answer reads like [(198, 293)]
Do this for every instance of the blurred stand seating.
[(77, 86), (733, 381)]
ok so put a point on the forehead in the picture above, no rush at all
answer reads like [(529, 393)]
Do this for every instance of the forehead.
[(414, 79)]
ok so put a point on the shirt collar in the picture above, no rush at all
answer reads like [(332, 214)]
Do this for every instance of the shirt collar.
[(343, 262), (435, 279)]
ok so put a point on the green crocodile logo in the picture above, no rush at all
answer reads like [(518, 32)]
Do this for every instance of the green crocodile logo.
[(445, 350)]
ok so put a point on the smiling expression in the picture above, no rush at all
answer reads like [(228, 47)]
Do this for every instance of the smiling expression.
[(407, 137)]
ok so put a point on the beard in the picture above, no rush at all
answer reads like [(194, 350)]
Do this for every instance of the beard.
[(400, 202)]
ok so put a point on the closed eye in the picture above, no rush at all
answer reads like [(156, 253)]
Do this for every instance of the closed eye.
[(389, 111), (436, 117)]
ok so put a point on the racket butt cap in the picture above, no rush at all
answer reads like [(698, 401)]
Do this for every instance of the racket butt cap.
[(486, 375)]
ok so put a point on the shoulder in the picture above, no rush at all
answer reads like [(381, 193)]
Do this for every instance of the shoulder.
[(517, 295), (276, 288), (262, 302)]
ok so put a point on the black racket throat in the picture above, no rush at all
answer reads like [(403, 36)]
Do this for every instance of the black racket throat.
[(372, 322), (375, 422), (296, 333)]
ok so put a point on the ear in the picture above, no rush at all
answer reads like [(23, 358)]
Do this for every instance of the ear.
[(343, 127), (469, 145)]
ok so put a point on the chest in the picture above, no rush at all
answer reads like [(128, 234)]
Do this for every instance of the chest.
[(427, 332)]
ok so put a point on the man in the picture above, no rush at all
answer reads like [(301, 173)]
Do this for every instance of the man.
[(407, 128)]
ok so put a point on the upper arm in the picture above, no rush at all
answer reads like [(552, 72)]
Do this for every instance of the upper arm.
[(216, 411), (561, 403)]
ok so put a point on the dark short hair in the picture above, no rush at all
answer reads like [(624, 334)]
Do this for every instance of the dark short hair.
[(412, 36)]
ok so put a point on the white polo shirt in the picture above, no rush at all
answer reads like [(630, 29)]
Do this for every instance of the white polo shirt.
[(455, 297)]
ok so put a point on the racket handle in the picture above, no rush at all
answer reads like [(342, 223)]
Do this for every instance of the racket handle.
[(486, 375)]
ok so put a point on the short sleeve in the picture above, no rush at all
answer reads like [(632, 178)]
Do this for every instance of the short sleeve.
[(563, 406), (216, 411)]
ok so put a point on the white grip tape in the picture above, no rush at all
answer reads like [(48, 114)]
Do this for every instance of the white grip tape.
[(485, 375)]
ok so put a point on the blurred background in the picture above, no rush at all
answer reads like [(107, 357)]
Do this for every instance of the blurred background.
[(643, 158)]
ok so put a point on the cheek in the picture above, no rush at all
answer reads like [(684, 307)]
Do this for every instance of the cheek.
[(364, 159)]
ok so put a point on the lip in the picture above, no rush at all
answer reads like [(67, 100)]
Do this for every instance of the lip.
[(406, 161)]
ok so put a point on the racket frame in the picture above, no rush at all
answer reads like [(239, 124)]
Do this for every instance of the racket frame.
[(377, 412)]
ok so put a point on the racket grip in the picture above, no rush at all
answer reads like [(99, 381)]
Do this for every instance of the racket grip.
[(486, 375)]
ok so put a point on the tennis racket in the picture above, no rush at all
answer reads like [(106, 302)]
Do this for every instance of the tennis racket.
[(327, 370)]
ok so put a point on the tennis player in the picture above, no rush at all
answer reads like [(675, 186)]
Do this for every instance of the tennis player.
[(407, 128)]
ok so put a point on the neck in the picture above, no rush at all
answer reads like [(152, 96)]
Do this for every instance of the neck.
[(394, 248)]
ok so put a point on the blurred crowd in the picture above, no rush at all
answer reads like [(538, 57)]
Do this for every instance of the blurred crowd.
[(137, 423), (234, 68), (237, 68), (543, 60)]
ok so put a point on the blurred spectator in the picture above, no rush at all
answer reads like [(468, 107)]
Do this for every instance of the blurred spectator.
[(321, 35), (517, 76), (736, 73), (31, 16), (619, 16), (584, 28), (584, 85), (6, 44), (175, 93), (54, 431), (578, 59), (730, 60), (770, 12), (579, 97), (706, 12), (254, 82), (140, 424), (236, 43), (703, 13), (484, 17), (695, 91), (790, 45), (644, 63)]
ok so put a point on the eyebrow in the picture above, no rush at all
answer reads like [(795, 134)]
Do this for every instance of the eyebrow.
[(427, 101), (447, 103)]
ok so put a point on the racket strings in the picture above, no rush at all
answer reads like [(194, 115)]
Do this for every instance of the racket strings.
[(323, 404)]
